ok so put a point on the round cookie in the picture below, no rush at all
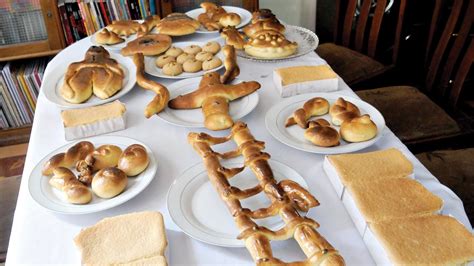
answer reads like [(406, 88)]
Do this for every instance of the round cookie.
[(203, 56), (174, 51), (183, 57), (211, 47), (172, 69), (163, 60), (192, 49), (211, 63), (192, 65)]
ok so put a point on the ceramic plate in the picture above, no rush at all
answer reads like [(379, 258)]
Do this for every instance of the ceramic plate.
[(53, 199), (245, 17), (152, 69), (192, 193), (306, 39), (55, 80), (294, 136), (194, 117)]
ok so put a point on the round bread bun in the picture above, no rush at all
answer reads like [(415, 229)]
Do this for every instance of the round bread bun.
[(211, 63), (133, 160), (192, 66), (270, 45), (184, 57), (358, 129), (211, 47), (172, 69), (163, 60), (320, 133), (105, 156), (174, 51), (192, 49), (109, 182), (150, 44), (203, 56), (230, 19)]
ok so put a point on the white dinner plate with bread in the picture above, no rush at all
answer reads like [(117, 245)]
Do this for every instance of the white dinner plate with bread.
[(276, 121), (113, 47), (153, 68), (52, 85), (245, 17), (194, 117), (55, 200), (191, 195)]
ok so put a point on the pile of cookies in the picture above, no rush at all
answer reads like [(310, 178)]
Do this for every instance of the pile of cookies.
[(190, 59)]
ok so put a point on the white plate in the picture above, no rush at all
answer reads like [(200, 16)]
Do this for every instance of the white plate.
[(245, 17), (152, 69), (53, 83), (294, 136), (307, 42), (194, 117), (53, 199), (190, 196)]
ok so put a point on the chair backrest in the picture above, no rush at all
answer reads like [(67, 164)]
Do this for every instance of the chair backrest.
[(170, 6), (450, 52), (359, 28)]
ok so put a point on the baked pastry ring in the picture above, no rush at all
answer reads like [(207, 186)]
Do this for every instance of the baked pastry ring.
[(177, 24), (343, 110), (314, 107), (270, 45), (150, 44), (108, 37), (358, 129), (124, 27), (320, 133)]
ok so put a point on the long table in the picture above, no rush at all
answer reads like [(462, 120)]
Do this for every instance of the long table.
[(41, 237)]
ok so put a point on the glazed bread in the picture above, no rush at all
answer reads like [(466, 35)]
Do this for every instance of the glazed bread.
[(233, 37), (133, 160), (177, 24), (343, 110), (74, 191), (109, 182), (270, 45), (124, 27), (149, 23), (134, 238), (253, 30), (230, 19), (150, 45), (358, 129), (314, 107), (320, 133), (105, 156), (108, 37), (68, 159), (232, 70)]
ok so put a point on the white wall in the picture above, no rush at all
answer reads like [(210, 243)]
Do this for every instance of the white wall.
[(294, 12)]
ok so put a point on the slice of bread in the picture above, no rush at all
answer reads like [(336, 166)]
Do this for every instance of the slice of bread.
[(393, 198), (156, 261), (123, 239), (425, 240), (384, 164)]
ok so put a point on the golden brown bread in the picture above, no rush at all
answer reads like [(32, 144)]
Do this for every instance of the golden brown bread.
[(65, 180), (108, 37), (104, 156), (109, 182), (313, 107), (97, 74), (320, 133), (150, 44), (358, 129), (232, 70), (212, 15), (133, 160), (124, 27), (214, 98), (343, 110), (263, 14), (148, 24), (177, 24), (233, 37), (269, 44), (252, 30), (68, 159), (286, 197), (230, 20), (162, 97)]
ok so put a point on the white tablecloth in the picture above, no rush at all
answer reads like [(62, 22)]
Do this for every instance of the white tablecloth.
[(42, 237)]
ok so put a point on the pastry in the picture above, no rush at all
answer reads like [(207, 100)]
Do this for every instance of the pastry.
[(286, 199), (174, 51), (97, 74), (256, 29), (184, 57), (214, 98), (211, 47), (134, 239), (230, 19), (211, 63), (203, 56), (85, 168), (211, 16), (133, 160), (108, 37), (177, 24), (192, 66), (233, 37), (163, 60), (343, 110), (149, 23), (320, 133), (314, 107), (109, 182), (192, 49), (172, 69), (270, 45), (263, 14), (124, 27), (104, 156), (160, 101), (69, 158), (232, 70), (150, 44), (74, 191), (358, 129)]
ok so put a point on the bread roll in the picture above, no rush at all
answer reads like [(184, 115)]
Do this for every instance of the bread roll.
[(105, 156), (313, 107), (75, 192), (320, 133), (358, 129), (343, 110), (230, 19), (133, 160), (68, 159), (109, 182)]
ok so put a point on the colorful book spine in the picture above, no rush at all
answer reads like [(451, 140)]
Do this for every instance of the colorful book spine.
[(65, 22)]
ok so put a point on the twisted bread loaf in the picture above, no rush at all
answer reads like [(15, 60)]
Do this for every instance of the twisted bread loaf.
[(314, 107), (320, 133), (68, 159), (232, 70), (343, 110), (162, 97), (358, 129), (65, 180), (133, 160)]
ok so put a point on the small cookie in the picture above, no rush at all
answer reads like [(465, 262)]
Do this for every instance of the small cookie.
[(184, 57), (192, 49), (192, 65), (211, 47), (174, 51), (203, 56), (163, 60), (172, 69), (211, 63)]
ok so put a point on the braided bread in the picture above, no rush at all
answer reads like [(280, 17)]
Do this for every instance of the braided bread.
[(343, 110), (286, 198), (162, 97), (314, 107), (68, 159), (320, 133), (65, 180), (232, 70), (358, 129)]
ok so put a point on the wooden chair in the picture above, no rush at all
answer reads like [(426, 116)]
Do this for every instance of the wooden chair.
[(356, 39), (412, 116), (170, 6)]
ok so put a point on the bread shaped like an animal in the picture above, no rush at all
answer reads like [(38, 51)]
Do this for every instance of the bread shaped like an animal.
[(343, 110), (314, 107), (320, 133)]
